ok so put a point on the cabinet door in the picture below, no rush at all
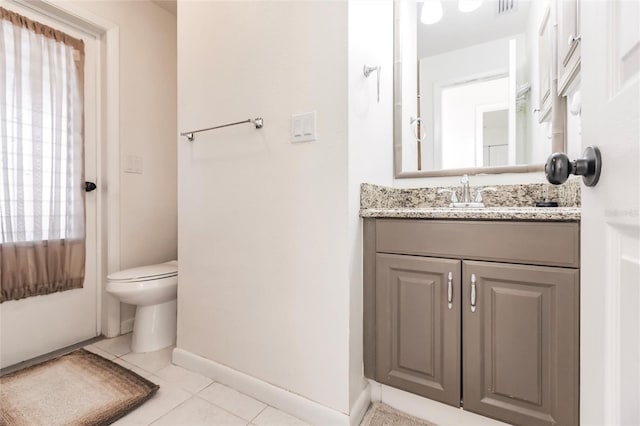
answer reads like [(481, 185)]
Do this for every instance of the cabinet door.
[(568, 52), (521, 343), (417, 329)]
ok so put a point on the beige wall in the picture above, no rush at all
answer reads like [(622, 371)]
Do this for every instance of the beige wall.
[(148, 86), (263, 224)]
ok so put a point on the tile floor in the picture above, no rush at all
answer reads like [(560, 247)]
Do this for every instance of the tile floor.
[(185, 397)]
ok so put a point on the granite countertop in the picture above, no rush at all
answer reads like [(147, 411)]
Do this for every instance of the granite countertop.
[(508, 202), (566, 214)]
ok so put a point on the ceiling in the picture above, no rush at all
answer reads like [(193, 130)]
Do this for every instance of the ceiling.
[(170, 6), (457, 29)]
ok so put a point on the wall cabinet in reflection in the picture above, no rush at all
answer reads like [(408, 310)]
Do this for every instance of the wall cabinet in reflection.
[(568, 17), (544, 67)]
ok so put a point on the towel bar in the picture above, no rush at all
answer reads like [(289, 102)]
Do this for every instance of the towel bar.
[(258, 122)]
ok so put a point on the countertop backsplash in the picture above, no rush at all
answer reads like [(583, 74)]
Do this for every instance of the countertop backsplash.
[(525, 195)]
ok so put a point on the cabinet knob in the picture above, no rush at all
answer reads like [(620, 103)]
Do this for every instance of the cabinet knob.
[(559, 167)]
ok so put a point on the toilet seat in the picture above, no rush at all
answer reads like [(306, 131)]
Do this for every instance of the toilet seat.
[(145, 273)]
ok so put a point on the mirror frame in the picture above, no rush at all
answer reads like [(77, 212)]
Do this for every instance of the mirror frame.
[(558, 117)]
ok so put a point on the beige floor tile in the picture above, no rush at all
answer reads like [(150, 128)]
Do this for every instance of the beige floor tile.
[(166, 399), (150, 361), (96, 350), (118, 346), (233, 401), (144, 373), (274, 417), (197, 411), (183, 378)]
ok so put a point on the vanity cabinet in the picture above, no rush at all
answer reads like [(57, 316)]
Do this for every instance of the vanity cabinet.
[(479, 315)]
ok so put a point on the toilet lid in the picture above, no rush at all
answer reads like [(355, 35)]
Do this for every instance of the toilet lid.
[(161, 270)]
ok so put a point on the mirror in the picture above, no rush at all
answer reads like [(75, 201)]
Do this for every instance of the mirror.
[(473, 87)]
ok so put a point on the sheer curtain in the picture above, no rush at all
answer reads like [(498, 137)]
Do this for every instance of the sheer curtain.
[(42, 248)]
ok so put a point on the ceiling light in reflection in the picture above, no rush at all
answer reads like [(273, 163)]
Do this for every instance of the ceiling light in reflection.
[(468, 5), (431, 12)]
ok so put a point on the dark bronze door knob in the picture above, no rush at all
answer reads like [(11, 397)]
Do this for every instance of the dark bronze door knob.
[(559, 167), (89, 186)]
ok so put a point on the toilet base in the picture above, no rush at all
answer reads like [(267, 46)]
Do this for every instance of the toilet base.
[(154, 327)]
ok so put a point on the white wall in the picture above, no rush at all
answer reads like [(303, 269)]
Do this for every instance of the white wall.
[(148, 201), (370, 147), (460, 104), (445, 69), (264, 224)]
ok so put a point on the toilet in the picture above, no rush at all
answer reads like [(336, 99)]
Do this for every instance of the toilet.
[(153, 289)]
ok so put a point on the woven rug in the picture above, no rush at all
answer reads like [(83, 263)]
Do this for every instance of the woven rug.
[(380, 414), (79, 388)]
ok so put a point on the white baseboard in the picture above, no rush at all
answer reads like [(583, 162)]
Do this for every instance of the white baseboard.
[(296, 405), (126, 326), (375, 390), (433, 411), (360, 406)]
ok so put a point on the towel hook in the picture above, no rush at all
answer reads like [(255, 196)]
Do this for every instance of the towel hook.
[(367, 70)]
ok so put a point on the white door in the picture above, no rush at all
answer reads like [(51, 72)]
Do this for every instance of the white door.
[(41, 324), (610, 265)]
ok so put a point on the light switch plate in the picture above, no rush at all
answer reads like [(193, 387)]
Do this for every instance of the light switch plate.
[(303, 127), (133, 164)]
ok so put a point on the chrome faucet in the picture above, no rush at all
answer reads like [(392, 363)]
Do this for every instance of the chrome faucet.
[(479, 194), (466, 194), (454, 196)]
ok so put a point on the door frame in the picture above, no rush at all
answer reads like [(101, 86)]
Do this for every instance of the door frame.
[(107, 150), (479, 145)]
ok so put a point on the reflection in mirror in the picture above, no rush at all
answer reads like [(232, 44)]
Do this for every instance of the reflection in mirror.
[(467, 83)]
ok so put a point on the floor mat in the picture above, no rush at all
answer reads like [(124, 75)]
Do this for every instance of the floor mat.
[(380, 414), (79, 388)]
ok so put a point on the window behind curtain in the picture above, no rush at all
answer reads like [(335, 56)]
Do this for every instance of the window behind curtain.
[(41, 158)]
